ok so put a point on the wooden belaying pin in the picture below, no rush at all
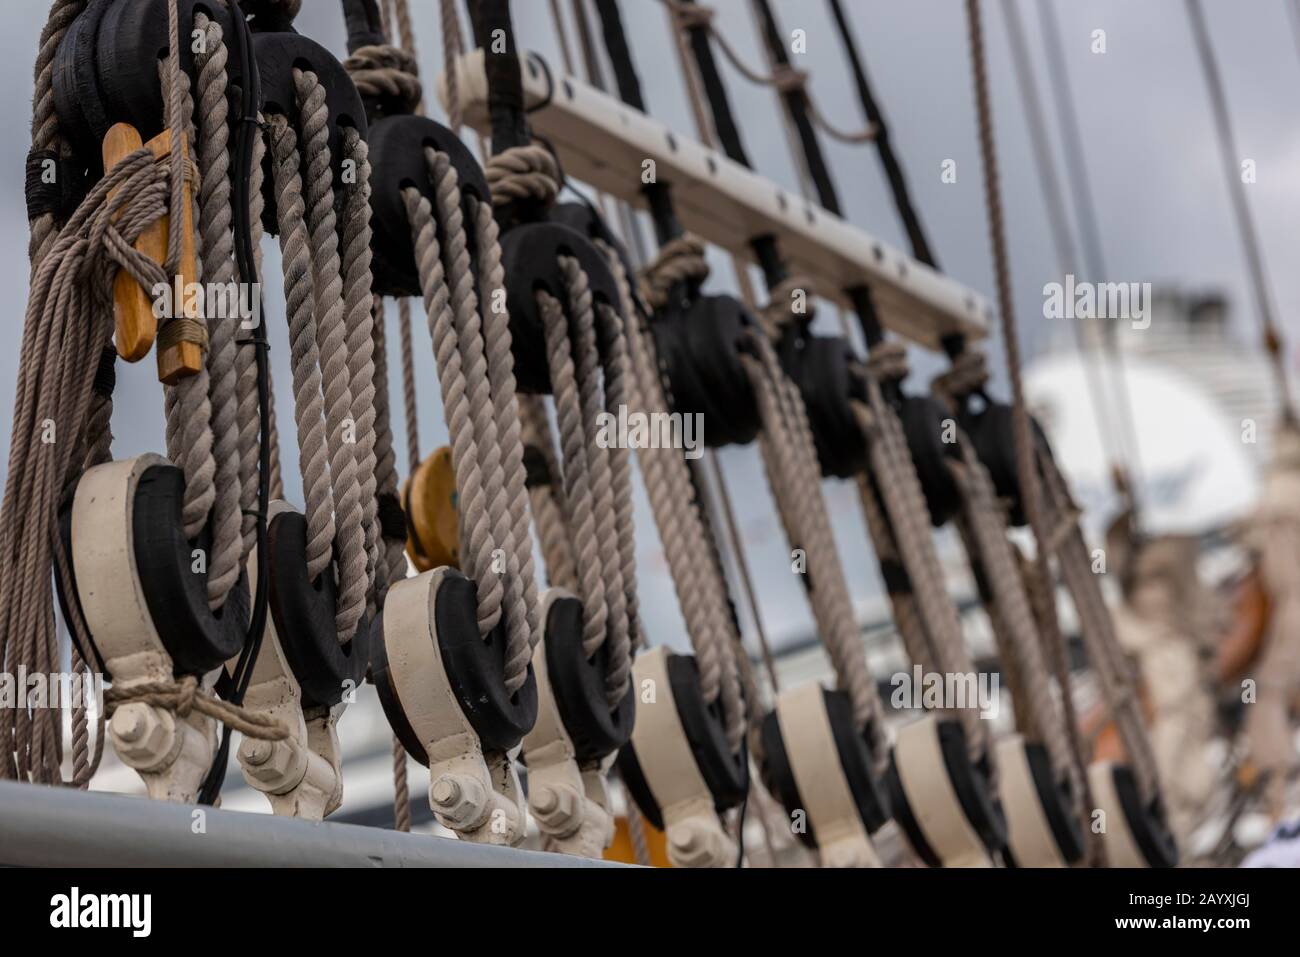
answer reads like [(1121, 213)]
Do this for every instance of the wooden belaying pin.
[(180, 351)]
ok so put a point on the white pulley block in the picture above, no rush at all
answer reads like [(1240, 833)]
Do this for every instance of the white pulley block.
[(669, 769), (1042, 830), (473, 790), (940, 799), (300, 775), (1133, 835), (171, 754)]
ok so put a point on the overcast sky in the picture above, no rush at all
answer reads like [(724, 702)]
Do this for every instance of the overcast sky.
[(1149, 149)]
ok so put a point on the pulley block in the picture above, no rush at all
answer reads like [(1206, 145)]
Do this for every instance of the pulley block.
[(1042, 829), (817, 762), (133, 569), (444, 650), (277, 55), (530, 253), (992, 433), (821, 368), (700, 350), (942, 799), (303, 612), (924, 423), (432, 518), (106, 69), (1137, 833), (397, 161), (678, 754)]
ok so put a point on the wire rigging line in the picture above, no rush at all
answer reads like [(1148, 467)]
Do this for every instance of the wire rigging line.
[(875, 118), (1240, 206), (1085, 209), (1110, 416)]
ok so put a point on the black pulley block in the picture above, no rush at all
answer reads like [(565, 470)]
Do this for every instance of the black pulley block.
[(587, 220), (578, 683), (397, 161), (970, 781), (475, 669), (821, 368), (992, 433), (923, 420), (724, 772), (1146, 821), (530, 253), (278, 55), (303, 612), (267, 16), (197, 638), (106, 69), (869, 791), (700, 353)]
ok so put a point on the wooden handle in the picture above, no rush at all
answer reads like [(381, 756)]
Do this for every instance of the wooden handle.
[(133, 315), (133, 308)]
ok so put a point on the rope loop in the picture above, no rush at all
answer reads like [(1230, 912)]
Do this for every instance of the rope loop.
[(679, 260), (386, 72), (184, 696), (968, 374), (780, 311), (887, 362), (523, 173)]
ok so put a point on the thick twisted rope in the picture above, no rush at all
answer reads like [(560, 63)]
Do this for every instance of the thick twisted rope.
[(67, 327), (523, 173), (790, 460), (304, 354), (217, 244), (696, 580), (484, 413), (358, 300), (552, 532), (332, 338), (386, 72)]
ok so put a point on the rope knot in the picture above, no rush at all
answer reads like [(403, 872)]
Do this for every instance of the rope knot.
[(789, 79), (790, 301), (523, 173), (968, 374), (887, 362), (679, 260), (386, 73), (691, 16)]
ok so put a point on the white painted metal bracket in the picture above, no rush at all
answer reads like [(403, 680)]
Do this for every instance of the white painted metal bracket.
[(300, 775), (472, 792), (570, 803), (696, 837), (918, 756), (171, 754), (815, 764), (603, 142)]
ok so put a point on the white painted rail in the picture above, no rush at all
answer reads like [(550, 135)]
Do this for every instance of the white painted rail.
[(603, 142)]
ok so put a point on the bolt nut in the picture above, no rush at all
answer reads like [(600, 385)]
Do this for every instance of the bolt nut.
[(556, 808), (275, 766), (694, 844), (142, 735), (458, 800)]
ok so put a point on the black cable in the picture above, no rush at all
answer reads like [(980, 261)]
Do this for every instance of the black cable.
[(796, 101), (724, 122), (248, 128), (893, 171), (364, 25), (505, 79), (620, 57)]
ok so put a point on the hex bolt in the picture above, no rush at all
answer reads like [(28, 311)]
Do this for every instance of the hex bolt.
[(445, 791), (129, 723), (258, 752)]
